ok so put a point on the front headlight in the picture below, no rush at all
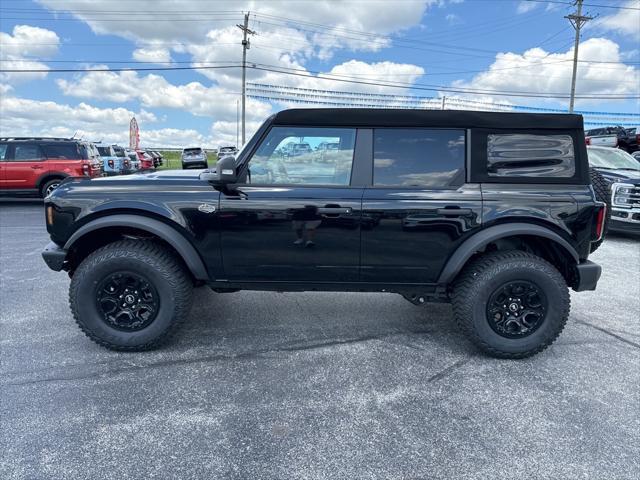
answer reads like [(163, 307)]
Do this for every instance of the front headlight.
[(625, 195)]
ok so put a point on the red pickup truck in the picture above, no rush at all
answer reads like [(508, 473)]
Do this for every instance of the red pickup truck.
[(37, 165)]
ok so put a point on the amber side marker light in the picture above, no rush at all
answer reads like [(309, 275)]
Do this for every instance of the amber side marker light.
[(49, 215)]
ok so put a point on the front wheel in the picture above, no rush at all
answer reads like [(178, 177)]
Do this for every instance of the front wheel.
[(130, 295), (49, 187), (511, 304)]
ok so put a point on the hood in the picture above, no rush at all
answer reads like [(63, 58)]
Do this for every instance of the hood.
[(626, 176)]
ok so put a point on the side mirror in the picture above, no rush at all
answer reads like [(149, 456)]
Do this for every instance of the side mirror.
[(224, 174)]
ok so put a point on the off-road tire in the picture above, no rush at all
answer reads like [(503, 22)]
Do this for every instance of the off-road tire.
[(46, 186), (483, 276), (602, 190), (159, 265)]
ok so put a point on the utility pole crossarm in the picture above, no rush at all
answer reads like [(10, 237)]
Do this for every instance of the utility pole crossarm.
[(577, 20), (245, 46)]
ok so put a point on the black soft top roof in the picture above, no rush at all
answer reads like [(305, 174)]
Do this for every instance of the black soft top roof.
[(378, 117)]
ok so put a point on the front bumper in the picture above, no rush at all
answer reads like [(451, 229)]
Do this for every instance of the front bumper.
[(626, 220), (588, 274), (54, 256)]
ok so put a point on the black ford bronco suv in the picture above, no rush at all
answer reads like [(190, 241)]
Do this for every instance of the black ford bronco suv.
[(494, 212)]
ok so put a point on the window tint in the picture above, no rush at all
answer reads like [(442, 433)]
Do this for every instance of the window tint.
[(3, 151), (105, 151), (526, 155), (293, 155), (66, 151), (418, 157), (26, 152)]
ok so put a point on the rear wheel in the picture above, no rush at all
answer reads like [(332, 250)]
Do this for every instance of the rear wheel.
[(130, 295), (511, 304), (602, 189), (49, 187)]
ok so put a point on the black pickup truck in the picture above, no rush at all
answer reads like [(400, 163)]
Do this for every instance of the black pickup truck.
[(494, 212)]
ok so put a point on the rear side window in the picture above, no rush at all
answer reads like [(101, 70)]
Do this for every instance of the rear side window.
[(418, 157), (3, 151), (26, 152), (65, 151), (527, 155)]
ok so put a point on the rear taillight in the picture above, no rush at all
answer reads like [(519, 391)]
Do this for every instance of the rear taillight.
[(126, 163), (638, 138), (600, 219), (85, 169), (587, 140), (110, 163)]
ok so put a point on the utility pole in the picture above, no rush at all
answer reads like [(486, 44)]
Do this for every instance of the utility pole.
[(237, 124), (444, 99), (577, 21), (245, 46)]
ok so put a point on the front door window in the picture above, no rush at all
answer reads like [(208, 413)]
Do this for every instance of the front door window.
[(304, 156)]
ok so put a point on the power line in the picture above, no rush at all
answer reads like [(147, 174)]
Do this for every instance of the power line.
[(334, 77)]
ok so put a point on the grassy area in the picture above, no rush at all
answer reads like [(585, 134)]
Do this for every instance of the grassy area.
[(172, 160)]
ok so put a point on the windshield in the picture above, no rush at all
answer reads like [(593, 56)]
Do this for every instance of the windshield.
[(612, 158)]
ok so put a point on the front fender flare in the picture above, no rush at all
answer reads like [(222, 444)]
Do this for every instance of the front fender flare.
[(481, 239), (167, 233)]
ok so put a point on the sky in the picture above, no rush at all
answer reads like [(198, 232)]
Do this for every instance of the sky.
[(478, 54)]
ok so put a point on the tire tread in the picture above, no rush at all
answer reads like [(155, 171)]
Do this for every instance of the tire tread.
[(156, 255), (466, 285)]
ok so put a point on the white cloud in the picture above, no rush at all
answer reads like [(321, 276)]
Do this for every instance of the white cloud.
[(525, 7), (19, 47), (624, 21), (161, 56), (21, 116), (538, 71), (174, 21), (453, 19), (154, 91)]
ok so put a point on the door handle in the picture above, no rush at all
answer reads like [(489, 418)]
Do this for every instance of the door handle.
[(454, 212), (334, 211), (36, 167)]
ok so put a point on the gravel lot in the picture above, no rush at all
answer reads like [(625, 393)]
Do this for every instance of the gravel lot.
[(317, 385)]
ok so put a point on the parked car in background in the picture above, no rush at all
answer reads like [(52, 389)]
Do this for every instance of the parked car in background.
[(226, 151), (133, 159), (629, 139), (157, 158), (147, 162), (296, 149), (111, 163), (194, 157), (622, 172), (625, 138), (601, 137), (127, 165), (37, 165)]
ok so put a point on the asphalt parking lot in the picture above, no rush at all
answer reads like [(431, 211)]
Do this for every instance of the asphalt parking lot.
[(314, 385)]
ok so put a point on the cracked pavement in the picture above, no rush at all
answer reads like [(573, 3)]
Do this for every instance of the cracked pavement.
[(312, 385)]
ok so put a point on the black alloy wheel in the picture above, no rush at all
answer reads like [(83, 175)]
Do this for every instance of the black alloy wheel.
[(127, 301), (516, 309)]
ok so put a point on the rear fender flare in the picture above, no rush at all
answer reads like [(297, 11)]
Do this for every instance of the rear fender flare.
[(481, 239), (167, 233)]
